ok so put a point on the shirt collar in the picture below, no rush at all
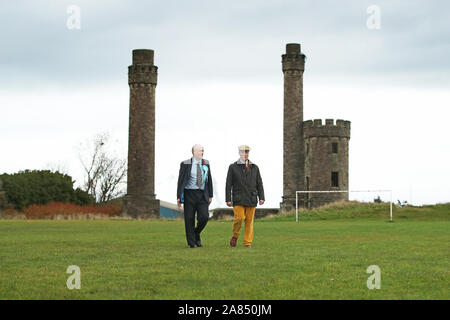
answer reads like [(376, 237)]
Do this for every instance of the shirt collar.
[(242, 162), (196, 161)]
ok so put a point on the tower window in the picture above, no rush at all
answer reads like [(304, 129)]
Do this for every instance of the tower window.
[(334, 147), (335, 179), (307, 148)]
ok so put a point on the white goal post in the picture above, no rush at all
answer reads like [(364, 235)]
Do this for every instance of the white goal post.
[(334, 191)]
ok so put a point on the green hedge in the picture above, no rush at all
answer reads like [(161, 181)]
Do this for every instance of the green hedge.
[(40, 187)]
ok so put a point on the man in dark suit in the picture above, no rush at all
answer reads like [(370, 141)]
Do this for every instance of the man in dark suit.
[(195, 186)]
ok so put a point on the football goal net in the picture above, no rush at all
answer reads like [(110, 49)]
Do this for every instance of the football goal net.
[(297, 193)]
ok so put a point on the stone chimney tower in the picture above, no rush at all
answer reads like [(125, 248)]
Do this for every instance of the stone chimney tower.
[(140, 201), (293, 65)]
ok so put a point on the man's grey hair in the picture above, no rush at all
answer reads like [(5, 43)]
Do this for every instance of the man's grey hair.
[(196, 146)]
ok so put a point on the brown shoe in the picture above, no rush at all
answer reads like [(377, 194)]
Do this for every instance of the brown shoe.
[(233, 242)]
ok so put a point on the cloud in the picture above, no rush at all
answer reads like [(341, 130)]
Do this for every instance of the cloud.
[(204, 41)]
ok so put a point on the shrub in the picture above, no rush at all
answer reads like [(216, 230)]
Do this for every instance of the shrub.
[(11, 213), (54, 210), (40, 187)]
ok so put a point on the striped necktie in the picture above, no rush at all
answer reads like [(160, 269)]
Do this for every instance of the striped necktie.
[(199, 175)]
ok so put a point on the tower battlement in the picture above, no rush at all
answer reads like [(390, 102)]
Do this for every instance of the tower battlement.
[(140, 74), (293, 59), (142, 71), (316, 128)]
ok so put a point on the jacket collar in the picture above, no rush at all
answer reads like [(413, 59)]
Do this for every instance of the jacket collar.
[(189, 161)]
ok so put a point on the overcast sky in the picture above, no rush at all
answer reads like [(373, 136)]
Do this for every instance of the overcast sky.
[(60, 86)]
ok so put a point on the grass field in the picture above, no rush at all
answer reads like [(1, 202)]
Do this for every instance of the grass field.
[(324, 256)]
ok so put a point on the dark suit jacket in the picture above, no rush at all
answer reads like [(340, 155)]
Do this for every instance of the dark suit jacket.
[(244, 188), (183, 178)]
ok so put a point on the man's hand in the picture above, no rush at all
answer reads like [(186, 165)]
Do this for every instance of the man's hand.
[(179, 203), (261, 202), (210, 199), (229, 203)]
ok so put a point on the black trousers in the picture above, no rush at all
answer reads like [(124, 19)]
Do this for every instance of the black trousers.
[(194, 202)]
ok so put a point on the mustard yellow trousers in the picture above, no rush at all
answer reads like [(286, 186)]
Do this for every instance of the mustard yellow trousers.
[(246, 214)]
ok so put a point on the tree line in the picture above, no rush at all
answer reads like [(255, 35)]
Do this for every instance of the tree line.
[(105, 176)]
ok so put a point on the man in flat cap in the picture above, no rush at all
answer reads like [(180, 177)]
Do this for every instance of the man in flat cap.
[(244, 187), (196, 189)]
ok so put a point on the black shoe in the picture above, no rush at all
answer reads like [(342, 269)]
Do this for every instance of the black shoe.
[(191, 246), (198, 241)]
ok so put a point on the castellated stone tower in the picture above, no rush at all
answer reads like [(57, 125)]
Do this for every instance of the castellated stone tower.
[(315, 155), (140, 201), (326, 160)]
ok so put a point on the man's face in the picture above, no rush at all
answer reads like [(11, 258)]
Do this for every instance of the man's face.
[(243, 155), (198, 152)]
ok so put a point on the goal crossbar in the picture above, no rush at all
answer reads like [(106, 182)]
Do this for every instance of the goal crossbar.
[(335, 191)]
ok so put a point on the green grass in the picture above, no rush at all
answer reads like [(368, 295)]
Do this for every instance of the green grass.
[(324, 256)]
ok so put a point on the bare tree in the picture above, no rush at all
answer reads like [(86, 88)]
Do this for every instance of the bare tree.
[(113, 174), (104, 173)]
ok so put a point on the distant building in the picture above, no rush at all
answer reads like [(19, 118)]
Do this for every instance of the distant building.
[(315, 154), (169, 210)]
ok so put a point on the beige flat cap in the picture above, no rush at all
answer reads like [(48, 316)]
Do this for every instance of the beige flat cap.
[(244, 148)]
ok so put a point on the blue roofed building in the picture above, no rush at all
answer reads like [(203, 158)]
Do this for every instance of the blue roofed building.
[(169, 210)]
